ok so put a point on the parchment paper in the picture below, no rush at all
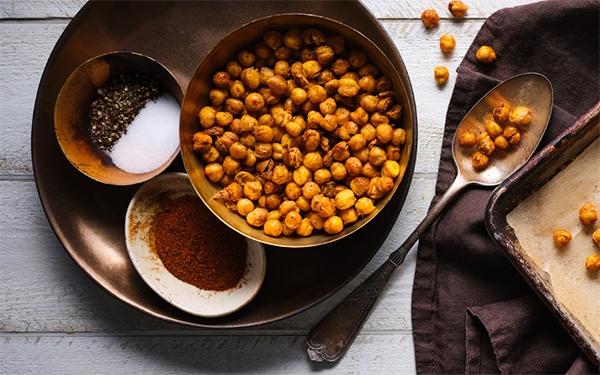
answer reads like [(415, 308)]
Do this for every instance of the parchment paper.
[(556, 205)]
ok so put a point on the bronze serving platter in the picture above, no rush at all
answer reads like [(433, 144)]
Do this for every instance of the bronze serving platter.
[(88, 217), (531, 178)]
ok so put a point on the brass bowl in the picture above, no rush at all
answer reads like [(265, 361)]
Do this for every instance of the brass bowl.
[(196, 97), (72, 105)]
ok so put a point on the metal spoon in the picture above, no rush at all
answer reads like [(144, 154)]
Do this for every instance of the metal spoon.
[(331, 337)]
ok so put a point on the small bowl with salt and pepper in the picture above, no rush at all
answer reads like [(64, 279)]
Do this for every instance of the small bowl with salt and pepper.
[(116, 118)]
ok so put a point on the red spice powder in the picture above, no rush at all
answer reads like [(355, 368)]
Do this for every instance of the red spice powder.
[(196, 247)]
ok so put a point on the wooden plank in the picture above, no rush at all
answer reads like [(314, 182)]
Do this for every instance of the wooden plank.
[(45, 291), (26, 46), (404, 9), (372, 354)]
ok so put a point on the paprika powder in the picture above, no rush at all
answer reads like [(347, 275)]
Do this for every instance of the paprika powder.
[(195, 247)]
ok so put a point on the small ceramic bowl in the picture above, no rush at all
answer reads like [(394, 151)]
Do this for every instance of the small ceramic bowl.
[(71, 112), (142, 209)]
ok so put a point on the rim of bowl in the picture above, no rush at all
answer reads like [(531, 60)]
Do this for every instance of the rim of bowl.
[(154, 172)]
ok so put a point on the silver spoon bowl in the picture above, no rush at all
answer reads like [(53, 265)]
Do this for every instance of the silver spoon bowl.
[(331, 337)]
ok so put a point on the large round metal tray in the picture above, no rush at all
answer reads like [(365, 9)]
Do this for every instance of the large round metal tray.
[(88, 217)]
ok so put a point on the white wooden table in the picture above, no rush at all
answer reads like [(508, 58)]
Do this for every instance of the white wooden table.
[(54, 319)]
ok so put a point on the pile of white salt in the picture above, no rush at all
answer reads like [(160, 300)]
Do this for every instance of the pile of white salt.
[(151, 138)]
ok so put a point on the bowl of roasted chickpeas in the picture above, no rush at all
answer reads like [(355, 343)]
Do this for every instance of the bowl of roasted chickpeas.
[(294, 130)]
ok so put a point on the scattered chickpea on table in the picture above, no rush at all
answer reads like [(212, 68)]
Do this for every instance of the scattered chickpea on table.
[(561, 237), (301, 133)]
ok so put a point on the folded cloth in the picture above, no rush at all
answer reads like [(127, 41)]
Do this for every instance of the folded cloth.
[(471, 310)]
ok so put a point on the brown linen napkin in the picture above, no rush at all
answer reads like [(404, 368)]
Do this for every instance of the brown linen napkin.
[(471, 310)]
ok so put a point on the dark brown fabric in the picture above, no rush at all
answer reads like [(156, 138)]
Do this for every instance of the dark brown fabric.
[(472, 311)]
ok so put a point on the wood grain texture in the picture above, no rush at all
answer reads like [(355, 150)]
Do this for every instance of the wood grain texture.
[(26, 45), (372, 354), (381, 8), (45, 291)]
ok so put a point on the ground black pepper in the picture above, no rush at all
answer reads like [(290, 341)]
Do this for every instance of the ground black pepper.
[(118, 102)]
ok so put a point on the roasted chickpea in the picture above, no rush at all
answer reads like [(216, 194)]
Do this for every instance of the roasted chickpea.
[(596, 237), (311, 68), (282, 68), (293, 128), (337, 43), (272, 39), (323, 206), (509, 131), (500, 113), (325, 76), (520, 116), (333, 225), (359, 116), (430, 18), (313, 37), (217, 96), (310, 189), (201, 142), (280, 175), (357, 142), (353, 166), (305, 228), (292, 156), (515, 138), (367, 84), (210, 155), (222, 79), (231, 166), (340, 151), (253, 190), (390, 168), (293, 39), (250, 159), (501, 143), (392, 152), (479, 160), (322, 176), (329, 123), (340, 66), (379, 186), (441, 74), (384, 133), (486, 54), (254, 102), (283, 53), (357, 58), (263, 133), (349, 215), (248, 123), (328, 106), (362, 154), (263, 150), (244, 206), (332, 86), (303, 204), (223, 119), (247, 140), (485, 144), (348, 87), (293, 191), (292, 220), (467, 138), (313, 161), (561, 237), (237, 151), (345, 199), (359, 185), (369, 103), (234, 106), (398, 137), (457, 8), (447, 43), (246, 58), (264, 74), (207, 116), (588, 214), (338, 171), (370, 171), (377, 156), (234, 69), (262, 51), (316, 94), (364, 206), (395, 112), (592, 263), (257, 217), (324, 54), (493, 129), (214, 172), (273, 228)]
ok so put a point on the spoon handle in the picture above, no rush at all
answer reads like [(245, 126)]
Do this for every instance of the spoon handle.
[(333, 335)]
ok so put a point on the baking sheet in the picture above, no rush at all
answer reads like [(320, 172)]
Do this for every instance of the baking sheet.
[(556, 205)]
